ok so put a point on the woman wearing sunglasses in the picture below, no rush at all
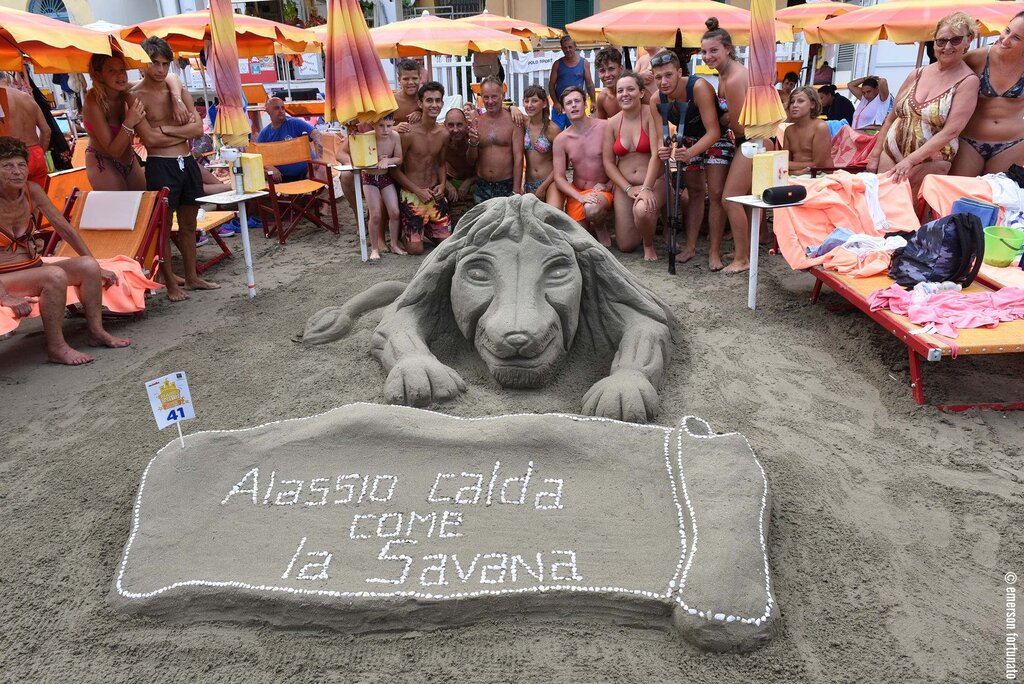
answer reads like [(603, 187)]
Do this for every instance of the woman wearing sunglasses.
[(989, 143), (920, 134)]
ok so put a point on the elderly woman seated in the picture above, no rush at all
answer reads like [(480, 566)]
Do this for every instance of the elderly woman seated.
[(25, 279)]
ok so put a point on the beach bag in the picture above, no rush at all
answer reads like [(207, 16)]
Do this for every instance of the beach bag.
[(947, 249)]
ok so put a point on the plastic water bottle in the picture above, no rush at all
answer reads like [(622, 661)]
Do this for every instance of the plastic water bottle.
[(924, 290)]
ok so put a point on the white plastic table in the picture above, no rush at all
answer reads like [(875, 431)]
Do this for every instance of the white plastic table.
[(357, 176), (758, 206), (239, 198)]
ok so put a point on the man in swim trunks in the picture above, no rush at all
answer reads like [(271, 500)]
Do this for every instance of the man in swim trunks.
[(25, 121), (23, 275), (460, 158), (588, 197), (499, 161), (170, 164), (421, 202)]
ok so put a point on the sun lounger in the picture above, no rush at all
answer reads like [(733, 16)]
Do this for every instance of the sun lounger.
[(1006, 338)]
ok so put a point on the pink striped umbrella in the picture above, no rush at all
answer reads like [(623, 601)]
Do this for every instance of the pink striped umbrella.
[(232, 125), (357, 87)]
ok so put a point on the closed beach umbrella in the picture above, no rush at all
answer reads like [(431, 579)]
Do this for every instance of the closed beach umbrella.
[(660, 22), (762, 109), (357, 87), (51, 46), (427, 34), (232, 125), (255, 37), (910, 21), (517, 27)]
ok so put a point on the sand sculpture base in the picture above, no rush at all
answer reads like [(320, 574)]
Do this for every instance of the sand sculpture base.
[(372, 517)]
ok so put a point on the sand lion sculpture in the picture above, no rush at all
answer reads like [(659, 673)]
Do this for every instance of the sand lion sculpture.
[(524, 283)]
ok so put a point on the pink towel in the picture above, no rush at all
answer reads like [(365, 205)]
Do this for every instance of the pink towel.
[(949, 311)]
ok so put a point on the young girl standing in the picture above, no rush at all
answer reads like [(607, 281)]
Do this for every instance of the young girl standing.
[(379, 189), (538, 143)]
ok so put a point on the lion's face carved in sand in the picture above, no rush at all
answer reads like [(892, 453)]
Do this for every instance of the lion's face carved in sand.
[(520, 305), (524, 283)]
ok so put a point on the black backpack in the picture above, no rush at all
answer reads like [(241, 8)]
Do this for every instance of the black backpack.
[(947, 249)]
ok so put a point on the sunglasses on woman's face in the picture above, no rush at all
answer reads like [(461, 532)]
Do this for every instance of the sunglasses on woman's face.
[(661, 60), (955, 41)]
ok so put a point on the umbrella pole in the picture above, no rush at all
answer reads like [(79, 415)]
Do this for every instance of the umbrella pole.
[(430, 65), (288, 76), (920, 54), (206, 90)]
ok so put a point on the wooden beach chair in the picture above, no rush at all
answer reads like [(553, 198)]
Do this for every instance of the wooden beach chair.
[(1006, 338), (144, 242), (289, 203), (62, 187), (210, 222)]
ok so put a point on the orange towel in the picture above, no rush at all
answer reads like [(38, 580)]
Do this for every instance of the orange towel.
[(941, 191), (128, 296), (835, 200)]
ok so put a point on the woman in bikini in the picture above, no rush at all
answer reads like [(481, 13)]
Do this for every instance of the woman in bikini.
[(25, 279), (989, 142), (630, 156), (718, 52), (538, 143), (110, 117), (920, 134)]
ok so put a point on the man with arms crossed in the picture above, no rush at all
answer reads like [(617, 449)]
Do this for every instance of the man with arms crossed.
[(499, 162), (170, 164), (421, 202), (588, 197)]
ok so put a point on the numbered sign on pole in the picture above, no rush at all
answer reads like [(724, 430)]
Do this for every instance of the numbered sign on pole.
[(170, 399)]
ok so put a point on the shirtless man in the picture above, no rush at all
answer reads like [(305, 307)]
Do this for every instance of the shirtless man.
[(169, 163), (25, 121), (645, 71), (609, 69), (422, 204), (499, 162), (807, 138), (407, 96), (25, 280), (460, 156), (588, 197)]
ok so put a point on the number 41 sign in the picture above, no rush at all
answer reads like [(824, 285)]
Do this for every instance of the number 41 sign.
[(170, 400)]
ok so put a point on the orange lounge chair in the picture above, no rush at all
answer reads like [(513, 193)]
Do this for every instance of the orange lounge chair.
[(62, 187), (210, 223), (1006, 338), (293, 201)]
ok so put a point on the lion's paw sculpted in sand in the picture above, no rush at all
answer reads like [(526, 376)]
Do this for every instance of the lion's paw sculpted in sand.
[(524, 283)]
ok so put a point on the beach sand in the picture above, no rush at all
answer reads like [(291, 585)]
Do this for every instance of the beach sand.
[(892, 528)]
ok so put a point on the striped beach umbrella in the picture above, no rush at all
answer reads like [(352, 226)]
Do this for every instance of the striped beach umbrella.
[(910, 21), (51, 46), (762, 109), (357, 87), (255, 37), (812, 13), (427, 34), (232, 125), (661, 22), (517, 27)]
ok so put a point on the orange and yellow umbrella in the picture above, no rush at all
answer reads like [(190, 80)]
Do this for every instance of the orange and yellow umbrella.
[(232, 125), (661, 22), (427, 34), (51, 46), (910, 21), (762, 109), (134, 56), (255, 37), (811, 14), (357, 87), (517, 27)]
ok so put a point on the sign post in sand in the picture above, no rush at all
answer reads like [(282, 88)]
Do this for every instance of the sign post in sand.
[(171, 402)]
